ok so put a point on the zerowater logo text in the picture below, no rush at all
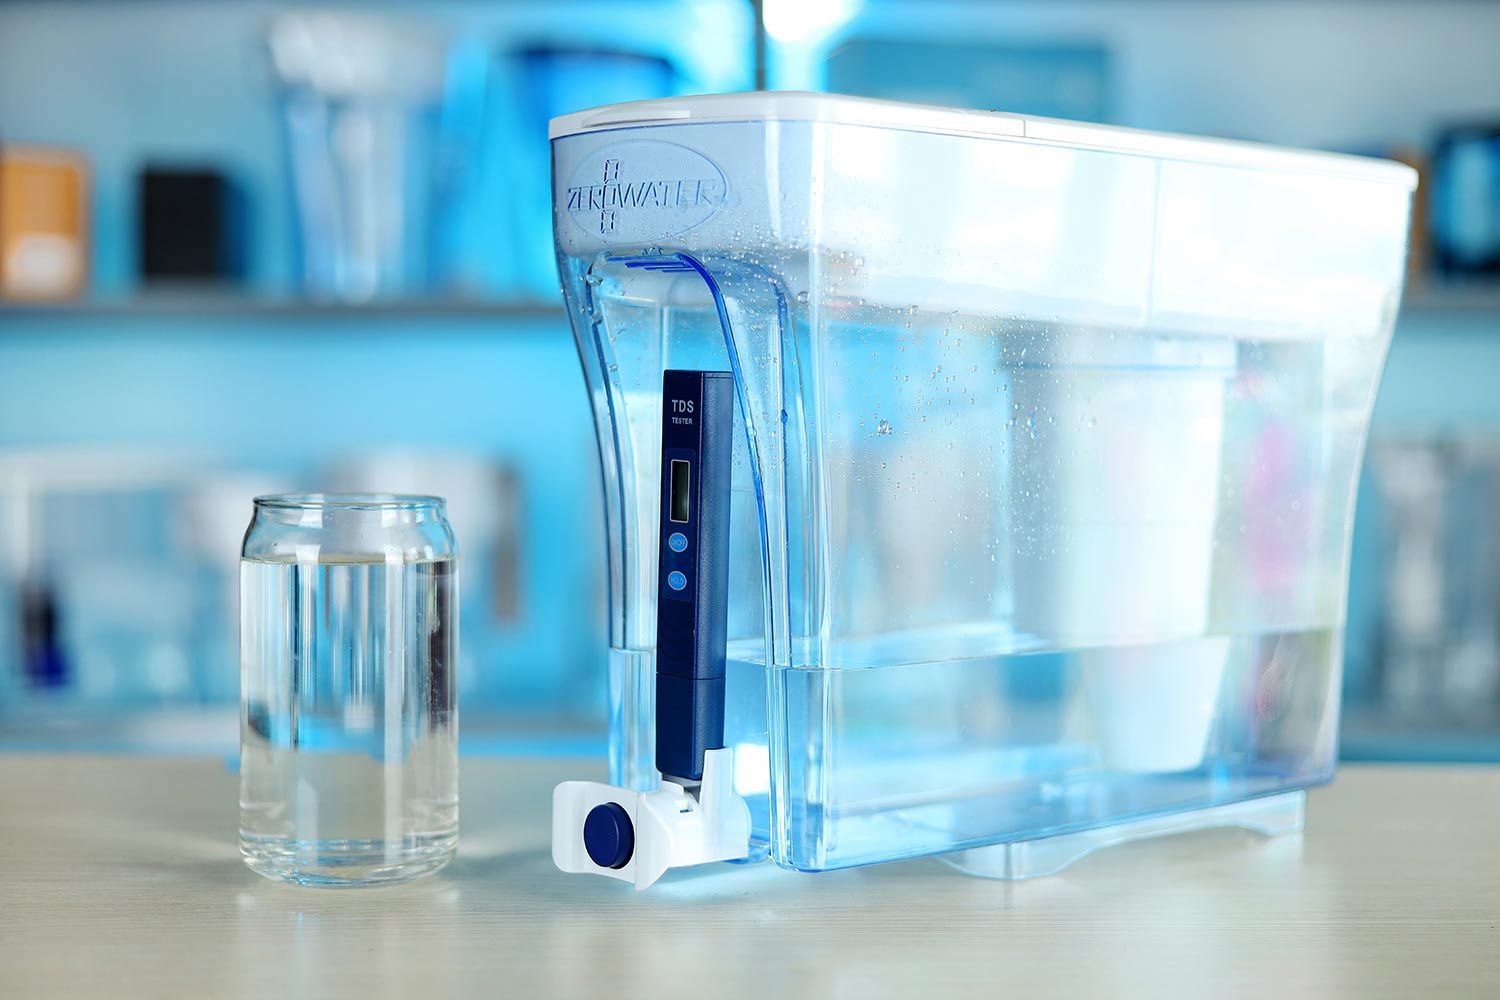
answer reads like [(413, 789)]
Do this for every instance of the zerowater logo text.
[(612, 195), (633, 191)]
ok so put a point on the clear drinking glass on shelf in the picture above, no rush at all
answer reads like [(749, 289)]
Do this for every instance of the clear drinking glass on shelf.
[(348, 707)]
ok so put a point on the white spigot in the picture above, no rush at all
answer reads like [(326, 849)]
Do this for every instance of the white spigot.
[(636, 836)]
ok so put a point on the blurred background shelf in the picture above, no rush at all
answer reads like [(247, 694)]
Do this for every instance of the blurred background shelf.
[(1375, 735), (1471, 302), (170, 305), (1476, 299), (53, 725)]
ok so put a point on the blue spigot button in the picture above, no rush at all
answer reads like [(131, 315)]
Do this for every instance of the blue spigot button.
[(676, 580), (608, 836), (677, 542)]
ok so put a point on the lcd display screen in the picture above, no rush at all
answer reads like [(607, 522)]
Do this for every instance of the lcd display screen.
[(681, 490)]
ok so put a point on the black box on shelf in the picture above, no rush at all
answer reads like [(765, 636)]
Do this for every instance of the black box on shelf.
[(190, 226)]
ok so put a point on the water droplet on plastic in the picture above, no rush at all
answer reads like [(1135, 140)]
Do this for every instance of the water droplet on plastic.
[(884, 427)]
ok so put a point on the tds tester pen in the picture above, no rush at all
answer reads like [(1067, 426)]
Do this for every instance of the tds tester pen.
[(697, 426)]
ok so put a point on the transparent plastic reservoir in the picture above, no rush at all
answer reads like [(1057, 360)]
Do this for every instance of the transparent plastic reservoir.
[(1045, 459)]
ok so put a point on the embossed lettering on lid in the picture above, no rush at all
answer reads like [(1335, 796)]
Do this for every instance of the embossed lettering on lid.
[(643, 189)]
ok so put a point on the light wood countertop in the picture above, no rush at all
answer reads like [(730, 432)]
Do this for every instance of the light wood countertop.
[(121, 877)]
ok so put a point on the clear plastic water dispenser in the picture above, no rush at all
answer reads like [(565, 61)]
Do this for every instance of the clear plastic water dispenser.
[(1044, 452)]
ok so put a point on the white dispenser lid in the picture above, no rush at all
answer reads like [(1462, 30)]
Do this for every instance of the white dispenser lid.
[(837, 109)]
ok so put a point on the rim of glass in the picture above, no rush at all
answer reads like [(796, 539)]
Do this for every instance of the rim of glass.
[(348, 501)]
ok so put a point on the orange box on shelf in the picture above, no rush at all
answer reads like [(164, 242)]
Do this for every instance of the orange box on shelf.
[(44, 244)]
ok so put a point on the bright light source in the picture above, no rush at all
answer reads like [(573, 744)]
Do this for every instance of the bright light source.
[(797, 21)]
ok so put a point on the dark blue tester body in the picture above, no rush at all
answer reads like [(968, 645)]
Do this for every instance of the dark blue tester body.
[(692, 609)]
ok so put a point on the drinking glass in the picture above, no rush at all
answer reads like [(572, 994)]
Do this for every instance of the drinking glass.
[(348, 710)]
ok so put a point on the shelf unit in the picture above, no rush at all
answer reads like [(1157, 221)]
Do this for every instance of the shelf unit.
[(231, 304), (1478, 301)]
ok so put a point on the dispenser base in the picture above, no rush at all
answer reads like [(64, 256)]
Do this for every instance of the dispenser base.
[(1270, 815)]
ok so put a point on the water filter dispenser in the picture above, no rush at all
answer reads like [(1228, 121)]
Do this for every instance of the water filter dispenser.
[(1019, 491)]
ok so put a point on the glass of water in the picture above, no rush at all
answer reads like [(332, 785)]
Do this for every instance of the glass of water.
[(348, 712)]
